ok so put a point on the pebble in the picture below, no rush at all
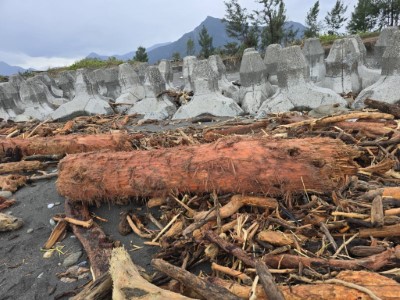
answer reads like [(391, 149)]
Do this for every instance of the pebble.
[(40, 275), (67, 279), (30, 230), (50, 205), (48, 254), (72, 259), (83, 263), (52, 222), (57, 203), (5, 194)]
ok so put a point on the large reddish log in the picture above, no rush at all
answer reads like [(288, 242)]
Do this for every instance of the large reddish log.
[(66, 144), (238, 165)]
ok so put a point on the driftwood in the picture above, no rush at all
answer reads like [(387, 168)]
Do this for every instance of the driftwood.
[(56, 234), (193, 282), (66, 144), (374, 262), (12, 182), (388, 108), (239, 165), (348, 285), (129, 284), (268, 282), (97, 246), (214, 134), (99, 289), (20, 166)]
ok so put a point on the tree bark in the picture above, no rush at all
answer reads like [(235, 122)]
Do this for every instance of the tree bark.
[(381, 286), (239, 165), (387, 108), (66, 144)]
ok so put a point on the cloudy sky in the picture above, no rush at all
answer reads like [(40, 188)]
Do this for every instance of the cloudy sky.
[(47, 33)]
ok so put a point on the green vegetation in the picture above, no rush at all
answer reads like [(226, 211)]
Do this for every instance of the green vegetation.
[(141, 55), (206, 43), (3, 78), (190, 51), (94, 63), (176, 56), (272, 17), (237, 25), (335, 19), (312, 25)]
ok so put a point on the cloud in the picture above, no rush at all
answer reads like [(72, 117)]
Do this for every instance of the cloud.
[(36, 62)]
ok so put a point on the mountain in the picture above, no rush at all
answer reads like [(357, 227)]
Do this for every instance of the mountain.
[(7, 70), (125, 56), (216, 29)]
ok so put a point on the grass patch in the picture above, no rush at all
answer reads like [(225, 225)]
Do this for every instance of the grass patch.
[(3, 78)]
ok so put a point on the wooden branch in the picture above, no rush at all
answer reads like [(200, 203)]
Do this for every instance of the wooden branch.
[(213, 134), (234, 273), (6, 203), (340, 118), (66, 144), (240, 165), (374, 262), (200, 286), (230, 248), (85, 224), (129, 284), (381, 232), (268, 282), (97, 246)]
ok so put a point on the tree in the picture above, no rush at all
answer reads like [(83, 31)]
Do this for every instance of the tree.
[(176, 56), (335, 18), (206, 43), (231, 48), (272, 16), (388, 12), (364, 17), (141, 55), (237, 24), (289, 37), (312, 24), (190, 47)]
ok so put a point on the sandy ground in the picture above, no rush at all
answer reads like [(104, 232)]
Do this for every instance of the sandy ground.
[(24, 273)]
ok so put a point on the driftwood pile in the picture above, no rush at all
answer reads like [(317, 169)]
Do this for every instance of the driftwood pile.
[(288, 207)]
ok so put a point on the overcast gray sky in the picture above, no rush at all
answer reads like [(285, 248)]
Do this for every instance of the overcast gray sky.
[(47, 33)]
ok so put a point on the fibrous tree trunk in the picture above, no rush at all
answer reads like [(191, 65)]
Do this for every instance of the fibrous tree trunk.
[(239, 165), (65, 144)]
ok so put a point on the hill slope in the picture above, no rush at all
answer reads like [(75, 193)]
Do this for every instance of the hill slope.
[(7, 70)]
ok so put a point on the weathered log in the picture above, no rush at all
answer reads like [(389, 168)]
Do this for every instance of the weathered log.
[(215, 133), (20, 166), (240, 165), (97, 246), (191, 281), (374, 262), (66, 144), (382, 287), (384, 107), (129, 284)]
